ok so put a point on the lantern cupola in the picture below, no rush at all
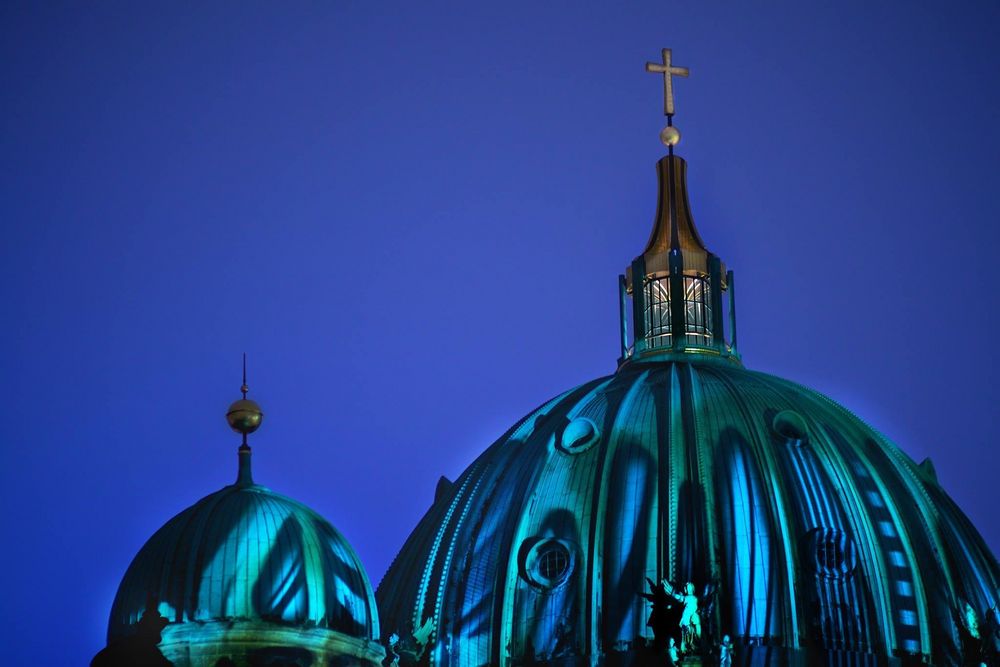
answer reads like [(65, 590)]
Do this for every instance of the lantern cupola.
[(676, 286)]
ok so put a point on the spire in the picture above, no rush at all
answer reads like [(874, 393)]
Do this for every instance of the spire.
[(244, 416), (676, 284), (674, 230)]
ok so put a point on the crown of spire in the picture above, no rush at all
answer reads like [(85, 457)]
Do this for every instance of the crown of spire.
[(676, 284)]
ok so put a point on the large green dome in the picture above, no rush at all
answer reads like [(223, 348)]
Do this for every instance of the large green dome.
[(247, 572), (816, 532), (686, 499)]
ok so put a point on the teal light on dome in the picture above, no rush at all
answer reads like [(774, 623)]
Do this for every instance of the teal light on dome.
[(245, 552), (838, 542), (245, 575), (688, 508)]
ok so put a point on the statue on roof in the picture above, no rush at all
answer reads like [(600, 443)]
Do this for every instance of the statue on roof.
[(690, 622), (726, 652), (141, 647), (661, 617)]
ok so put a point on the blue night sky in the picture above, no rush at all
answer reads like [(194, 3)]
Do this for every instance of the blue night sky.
[(412, 217)]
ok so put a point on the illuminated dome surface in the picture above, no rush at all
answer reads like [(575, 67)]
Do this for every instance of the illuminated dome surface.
[(247, 572), (806, 537), (817, 531)]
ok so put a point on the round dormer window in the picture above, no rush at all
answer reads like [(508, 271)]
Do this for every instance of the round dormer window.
[(547, 564), (578, 436), (790, 427)]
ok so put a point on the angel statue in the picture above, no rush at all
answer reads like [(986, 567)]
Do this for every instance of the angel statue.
[(673, 657), (690, 620), (409, 649), (391, 657), (660, 618), (726, 652)]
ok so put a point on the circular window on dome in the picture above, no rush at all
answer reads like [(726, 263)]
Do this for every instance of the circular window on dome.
[(832, 553), (547, 563), (790, 427), (578, 436)]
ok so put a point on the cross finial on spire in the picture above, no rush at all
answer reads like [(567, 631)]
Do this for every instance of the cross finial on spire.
[(668, 71)]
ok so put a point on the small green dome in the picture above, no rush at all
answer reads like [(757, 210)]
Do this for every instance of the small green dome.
[(243, 565)]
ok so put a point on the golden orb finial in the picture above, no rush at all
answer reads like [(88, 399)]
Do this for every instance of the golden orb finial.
[(244, 415), (670, 136)]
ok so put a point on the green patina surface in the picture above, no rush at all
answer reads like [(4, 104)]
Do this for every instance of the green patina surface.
[(816, 533), (806, 537), (246, 569)]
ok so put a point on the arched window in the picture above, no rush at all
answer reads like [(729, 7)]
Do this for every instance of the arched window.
[(657, 313), (697, 312)]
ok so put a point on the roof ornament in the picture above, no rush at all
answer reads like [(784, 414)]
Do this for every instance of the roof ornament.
[(244, 416), (670, 136)]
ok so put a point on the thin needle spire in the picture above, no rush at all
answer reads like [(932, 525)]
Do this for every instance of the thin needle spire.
[(244, 388)]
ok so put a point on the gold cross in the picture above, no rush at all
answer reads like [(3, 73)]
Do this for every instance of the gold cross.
[(667, 70)]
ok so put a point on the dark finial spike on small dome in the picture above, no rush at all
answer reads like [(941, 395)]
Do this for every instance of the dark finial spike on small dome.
[(244, 416), (244, 388)]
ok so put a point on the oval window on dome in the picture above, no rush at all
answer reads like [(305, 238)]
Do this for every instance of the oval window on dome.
[(579, 435), (832, 553), (548, 563), (553, 563), (790, 427)]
